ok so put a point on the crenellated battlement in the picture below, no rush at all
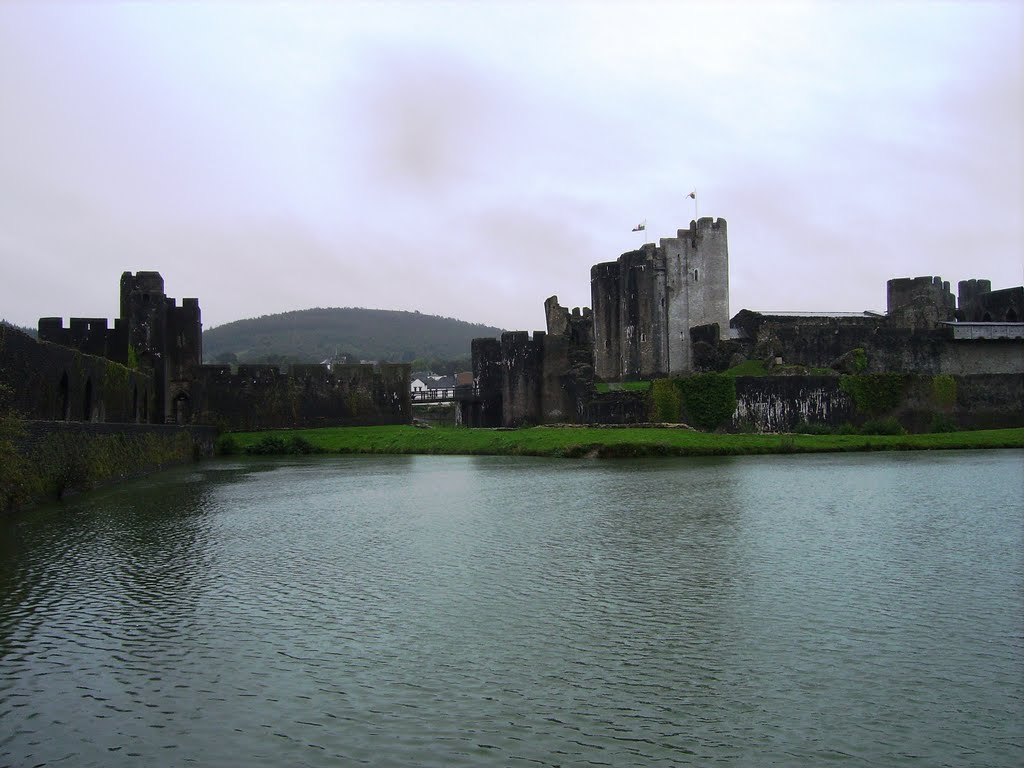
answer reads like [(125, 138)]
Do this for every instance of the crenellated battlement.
[(703, 225)]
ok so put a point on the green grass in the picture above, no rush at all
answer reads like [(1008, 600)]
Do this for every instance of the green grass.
[(748, 368), (624, 442), (623, 386), (758, 368)]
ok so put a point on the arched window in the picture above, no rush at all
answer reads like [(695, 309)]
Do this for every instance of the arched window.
[(65, 402), (696, 277), (1011, 316), (182, 411), (986, 318)]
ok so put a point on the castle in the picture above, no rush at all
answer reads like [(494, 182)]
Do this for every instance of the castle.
[(148, 369), (662, 311), (152, 334)]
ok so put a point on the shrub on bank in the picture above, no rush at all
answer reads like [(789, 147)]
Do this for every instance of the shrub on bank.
[(889, 426), (276, 445), (15, 485), (807, 428)]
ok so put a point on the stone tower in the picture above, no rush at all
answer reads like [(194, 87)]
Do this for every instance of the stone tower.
[(144, 311), (645, 303), (164, 338)]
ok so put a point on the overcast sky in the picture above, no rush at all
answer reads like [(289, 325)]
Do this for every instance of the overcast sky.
[(472, 159)]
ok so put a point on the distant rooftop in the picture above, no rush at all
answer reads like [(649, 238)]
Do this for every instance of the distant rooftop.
[(865, 313)]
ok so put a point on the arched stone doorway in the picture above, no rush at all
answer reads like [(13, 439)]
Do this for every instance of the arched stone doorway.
[(181, 409), (87, 401)]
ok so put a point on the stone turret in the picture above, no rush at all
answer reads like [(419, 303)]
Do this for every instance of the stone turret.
[(918, 302)]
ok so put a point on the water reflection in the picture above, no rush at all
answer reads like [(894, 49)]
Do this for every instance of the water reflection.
[(468, 611)]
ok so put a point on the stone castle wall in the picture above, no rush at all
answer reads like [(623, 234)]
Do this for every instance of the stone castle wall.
[(49, 381), (306, 396), (164, 340), (782, 403), (522, 380)]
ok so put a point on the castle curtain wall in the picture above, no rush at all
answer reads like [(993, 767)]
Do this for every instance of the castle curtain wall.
[(309, 396), (52, 382)]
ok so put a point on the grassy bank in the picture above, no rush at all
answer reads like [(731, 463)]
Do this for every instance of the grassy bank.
[(596, 442)]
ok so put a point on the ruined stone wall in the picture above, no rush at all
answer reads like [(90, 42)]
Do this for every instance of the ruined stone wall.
[(938, 352), (989, 401), (485, 408), (617, 408), (629, 315), (919, 302), (641, 313), (815, 342), (50, 381), (545, 379), (780, 403), (568, 363), (263, 397), (821, 342)]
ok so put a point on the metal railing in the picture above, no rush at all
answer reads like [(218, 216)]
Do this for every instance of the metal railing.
[(444, 394)]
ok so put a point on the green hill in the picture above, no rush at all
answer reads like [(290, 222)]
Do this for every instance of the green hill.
[(312, 335), (24, 329)]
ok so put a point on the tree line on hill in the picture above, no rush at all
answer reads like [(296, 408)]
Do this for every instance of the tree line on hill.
[(440, 344)]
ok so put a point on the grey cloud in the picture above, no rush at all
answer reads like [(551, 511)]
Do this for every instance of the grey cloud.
[(421, 120)]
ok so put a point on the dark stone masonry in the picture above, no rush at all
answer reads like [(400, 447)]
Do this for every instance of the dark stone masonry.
[(662, 311), (148, 368), (659, 312)]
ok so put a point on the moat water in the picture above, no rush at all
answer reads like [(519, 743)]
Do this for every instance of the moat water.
[(443, 611)]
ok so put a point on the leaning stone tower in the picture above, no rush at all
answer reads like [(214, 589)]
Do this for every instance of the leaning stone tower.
[(645, 303)]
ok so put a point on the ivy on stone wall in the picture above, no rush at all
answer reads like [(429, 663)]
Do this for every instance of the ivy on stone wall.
[(666, 402), (704, 400), (70, 460), (943, 391), (709, 399), (875, 393), (860, 360), (13, 467)]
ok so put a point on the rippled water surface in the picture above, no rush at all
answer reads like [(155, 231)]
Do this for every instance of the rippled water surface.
[(862, 610)]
